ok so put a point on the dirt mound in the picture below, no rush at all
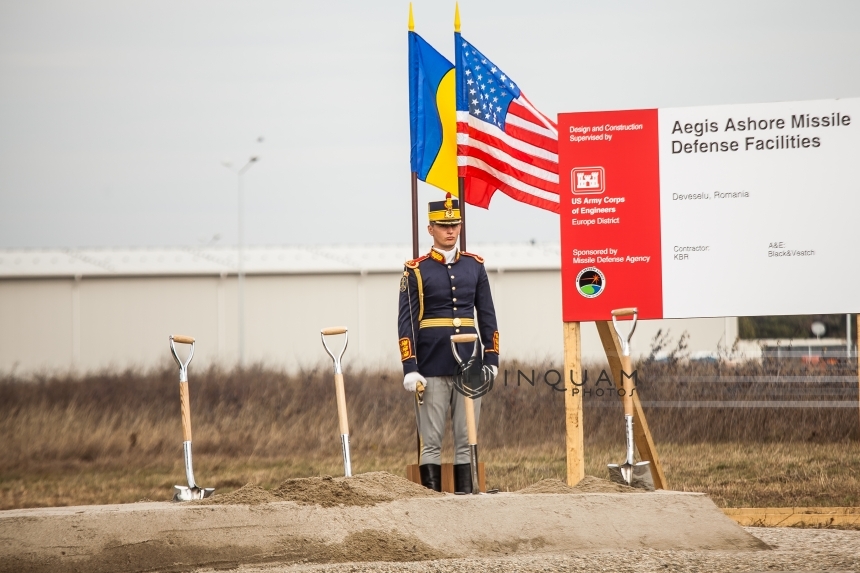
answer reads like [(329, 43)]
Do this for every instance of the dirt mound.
[(248, 494), (325, 491), (361, 546), (591, 484), (588, 484), (551, 485), (390, 486), (376, 545), (376, 487), (167, 536), (360, 490)]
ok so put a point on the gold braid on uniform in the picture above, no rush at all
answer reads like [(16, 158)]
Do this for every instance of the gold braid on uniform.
[(413, 264), (406, 349)]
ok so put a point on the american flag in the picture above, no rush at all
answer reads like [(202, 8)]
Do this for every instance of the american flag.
[(503, 142)]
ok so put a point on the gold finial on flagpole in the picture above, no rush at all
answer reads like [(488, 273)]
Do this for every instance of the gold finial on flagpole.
[(411, 19), (456, 16)]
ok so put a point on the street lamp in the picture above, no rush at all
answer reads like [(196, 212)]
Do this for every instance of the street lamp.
[(241, 263)]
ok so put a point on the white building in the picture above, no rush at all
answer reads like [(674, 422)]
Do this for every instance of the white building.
[(89, 309)]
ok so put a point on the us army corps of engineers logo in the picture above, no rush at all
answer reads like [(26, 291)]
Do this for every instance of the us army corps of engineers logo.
[(590, 282)]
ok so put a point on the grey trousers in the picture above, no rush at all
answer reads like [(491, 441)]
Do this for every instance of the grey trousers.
[(440, 397)]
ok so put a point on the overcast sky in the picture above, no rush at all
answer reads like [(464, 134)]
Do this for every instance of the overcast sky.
[(115, 116)]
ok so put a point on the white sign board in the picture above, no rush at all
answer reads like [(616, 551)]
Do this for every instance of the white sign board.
[(737, 210)]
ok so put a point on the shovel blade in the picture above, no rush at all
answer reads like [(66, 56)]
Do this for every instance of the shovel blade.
[(627, 470), (184, 493)]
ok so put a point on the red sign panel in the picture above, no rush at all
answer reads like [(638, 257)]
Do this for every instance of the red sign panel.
[(610, 214)]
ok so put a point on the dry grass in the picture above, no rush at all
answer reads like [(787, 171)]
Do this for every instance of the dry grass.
[(116, 437)]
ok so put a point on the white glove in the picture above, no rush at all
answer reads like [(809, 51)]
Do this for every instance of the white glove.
[(411, 380), (494, 370)]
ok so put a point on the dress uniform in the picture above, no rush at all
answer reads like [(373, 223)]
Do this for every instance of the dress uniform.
[(442, 293)]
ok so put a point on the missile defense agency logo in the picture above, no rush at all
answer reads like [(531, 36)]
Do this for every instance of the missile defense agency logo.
[(590, 282)]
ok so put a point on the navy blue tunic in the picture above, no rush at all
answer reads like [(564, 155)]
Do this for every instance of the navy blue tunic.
[(447, 291)]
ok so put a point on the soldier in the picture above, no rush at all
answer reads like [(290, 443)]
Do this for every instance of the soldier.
[(439, 294)]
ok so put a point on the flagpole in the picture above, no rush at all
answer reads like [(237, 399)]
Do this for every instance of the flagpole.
[(411, 27), (412, 471), (461, 181), (414, 215), (461, 189), (414, 178)]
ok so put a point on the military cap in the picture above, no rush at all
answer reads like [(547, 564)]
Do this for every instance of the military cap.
[(445, 212)]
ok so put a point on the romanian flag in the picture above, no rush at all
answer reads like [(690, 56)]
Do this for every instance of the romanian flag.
[(432, 115)]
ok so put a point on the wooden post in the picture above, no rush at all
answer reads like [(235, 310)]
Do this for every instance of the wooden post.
[(573, 403), (641, 433)]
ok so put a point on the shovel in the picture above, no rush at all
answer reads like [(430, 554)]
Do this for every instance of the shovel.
[(182, 493), (471, 426), (627, 467), (339, 393)]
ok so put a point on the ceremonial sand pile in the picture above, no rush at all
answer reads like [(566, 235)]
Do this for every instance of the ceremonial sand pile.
[(361, 490), (370, 517), (589, 484), (376, 487)]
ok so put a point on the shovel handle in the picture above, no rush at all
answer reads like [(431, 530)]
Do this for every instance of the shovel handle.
[(471, 426), (185, 407), (182, 339), (341, 404), (624, 311), (627, 383), (463, 338), (333, 330), (419, 393)]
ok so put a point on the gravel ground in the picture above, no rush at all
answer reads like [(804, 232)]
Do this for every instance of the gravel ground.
[(798, 550)]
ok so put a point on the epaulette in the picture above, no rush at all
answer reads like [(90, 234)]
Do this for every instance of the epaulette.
[(474, 256), (413, 264)]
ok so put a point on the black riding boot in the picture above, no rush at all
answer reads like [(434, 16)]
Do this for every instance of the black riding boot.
[(431, 476), (463, 478)]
